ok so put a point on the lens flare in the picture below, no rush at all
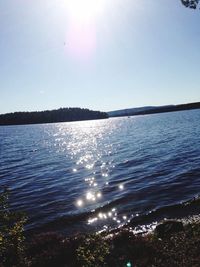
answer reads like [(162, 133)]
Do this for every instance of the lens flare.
[(81, 35)]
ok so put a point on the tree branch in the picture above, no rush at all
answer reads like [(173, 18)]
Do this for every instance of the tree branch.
[(190, 3)]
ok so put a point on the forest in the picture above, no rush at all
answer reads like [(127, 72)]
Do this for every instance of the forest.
[(50, 116)]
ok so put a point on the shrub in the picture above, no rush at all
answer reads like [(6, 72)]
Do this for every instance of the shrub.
[(93, 251), (12, 249)]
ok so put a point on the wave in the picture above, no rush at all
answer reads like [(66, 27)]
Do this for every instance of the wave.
[(176, 211)]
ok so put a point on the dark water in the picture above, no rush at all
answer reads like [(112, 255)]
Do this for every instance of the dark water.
[(86, 176)]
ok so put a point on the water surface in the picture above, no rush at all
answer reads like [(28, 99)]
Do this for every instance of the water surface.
[(93, 175)]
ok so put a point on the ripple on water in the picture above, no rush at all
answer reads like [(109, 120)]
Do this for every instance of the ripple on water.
[(94, 175)]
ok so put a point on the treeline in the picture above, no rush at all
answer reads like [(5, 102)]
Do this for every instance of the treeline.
[(171, 108), (49, 116), (153, 110)]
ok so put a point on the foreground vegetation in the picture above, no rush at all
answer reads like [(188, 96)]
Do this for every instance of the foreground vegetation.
[(171, 244)]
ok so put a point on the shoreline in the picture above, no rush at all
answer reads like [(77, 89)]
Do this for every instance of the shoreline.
[(140, 223), (171, 243)]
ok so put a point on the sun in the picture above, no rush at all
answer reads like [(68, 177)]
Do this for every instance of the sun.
[(83, 19), (83, 10)]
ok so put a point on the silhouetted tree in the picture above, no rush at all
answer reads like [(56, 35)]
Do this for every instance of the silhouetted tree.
[(190, 3), (48, 116)]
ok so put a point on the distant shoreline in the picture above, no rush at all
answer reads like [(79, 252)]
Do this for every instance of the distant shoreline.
[(153, 110), (51, 116), (81, 114)]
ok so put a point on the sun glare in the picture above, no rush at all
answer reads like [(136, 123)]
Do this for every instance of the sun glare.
[(82, 27), (85, 9)]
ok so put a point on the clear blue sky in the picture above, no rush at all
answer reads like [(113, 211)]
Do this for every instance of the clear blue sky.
[(127, 53)]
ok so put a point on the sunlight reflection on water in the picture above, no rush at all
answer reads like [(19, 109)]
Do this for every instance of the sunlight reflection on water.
[(83, 141), (93, 175)]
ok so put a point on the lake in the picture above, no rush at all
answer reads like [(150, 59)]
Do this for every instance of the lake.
[(93, 175)]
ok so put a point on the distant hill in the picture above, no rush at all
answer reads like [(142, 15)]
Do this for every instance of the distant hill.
[(49, 116), (152, 109)]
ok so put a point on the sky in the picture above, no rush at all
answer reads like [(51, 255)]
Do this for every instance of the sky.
[(110, 55)]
